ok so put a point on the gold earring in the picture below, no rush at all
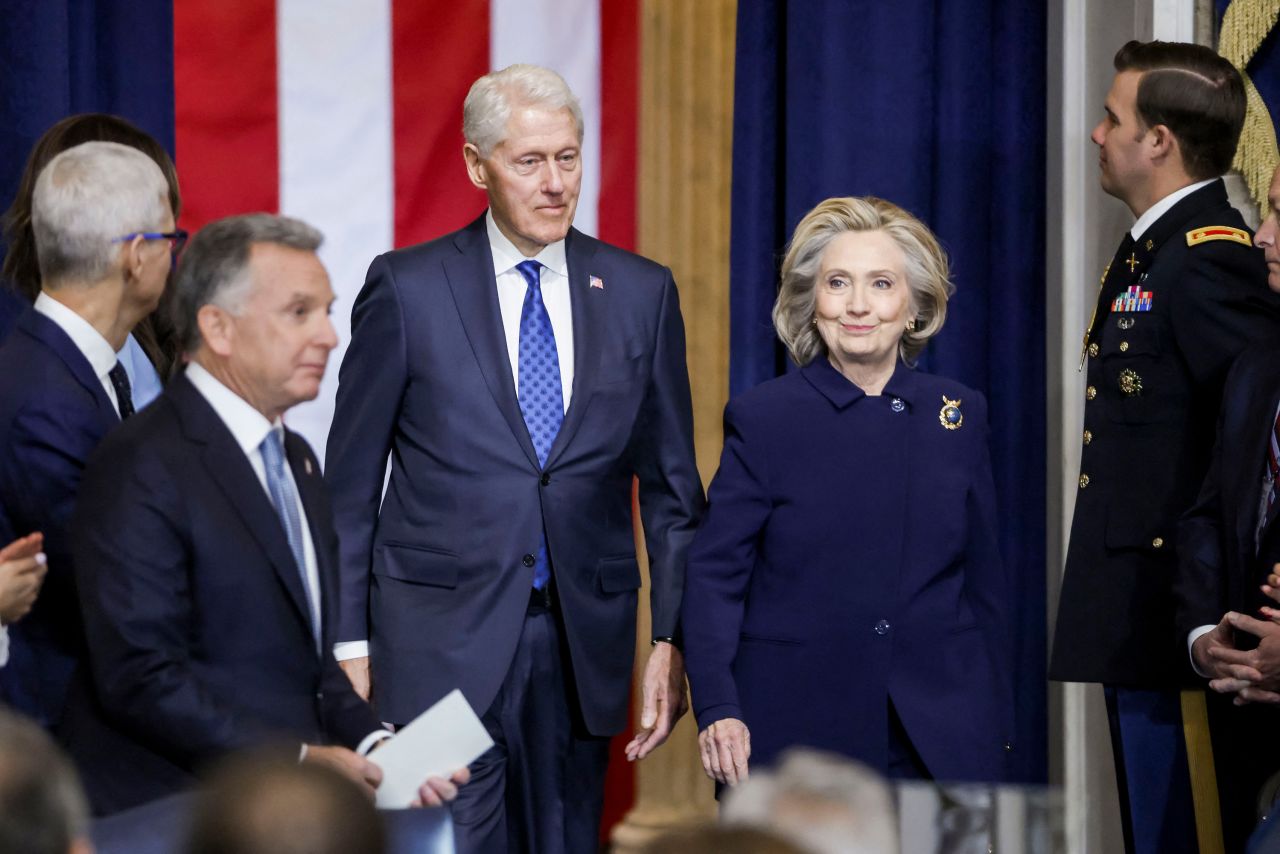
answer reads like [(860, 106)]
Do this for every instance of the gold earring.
[(911, 325)]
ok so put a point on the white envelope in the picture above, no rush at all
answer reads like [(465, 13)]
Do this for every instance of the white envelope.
[(444, 738)]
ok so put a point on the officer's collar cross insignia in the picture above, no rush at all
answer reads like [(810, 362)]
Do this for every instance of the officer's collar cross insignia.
[(950, 415)]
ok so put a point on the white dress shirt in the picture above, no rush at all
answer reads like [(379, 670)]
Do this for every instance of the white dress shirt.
[(1162, 207), (555, 296), (89, 341), (249, 428), (554, 283)]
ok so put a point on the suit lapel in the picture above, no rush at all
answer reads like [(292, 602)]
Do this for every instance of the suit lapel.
[(587, 305), (228, 467), (475, 293), (1261, 418), (315, 504), (51, 335)]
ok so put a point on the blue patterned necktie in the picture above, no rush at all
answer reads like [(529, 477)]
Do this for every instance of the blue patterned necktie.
[(285, 499), (540, 393)]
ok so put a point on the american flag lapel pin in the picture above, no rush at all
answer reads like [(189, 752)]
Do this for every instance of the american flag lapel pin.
[(597, 282)]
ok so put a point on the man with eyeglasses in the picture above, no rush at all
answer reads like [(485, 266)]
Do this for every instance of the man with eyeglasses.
[(105, 238)]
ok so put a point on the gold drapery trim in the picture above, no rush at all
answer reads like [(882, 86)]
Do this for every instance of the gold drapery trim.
[(1245, 25)]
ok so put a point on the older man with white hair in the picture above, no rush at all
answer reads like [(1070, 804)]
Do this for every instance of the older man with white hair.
[(519, 375), (105, 238)]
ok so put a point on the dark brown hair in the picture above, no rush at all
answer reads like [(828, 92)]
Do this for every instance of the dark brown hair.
[(21, 270), (1196, 94)]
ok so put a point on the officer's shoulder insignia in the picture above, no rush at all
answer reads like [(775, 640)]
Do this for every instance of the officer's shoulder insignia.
[(1197, 236)]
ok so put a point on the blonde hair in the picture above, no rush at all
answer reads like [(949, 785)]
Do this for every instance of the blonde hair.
[(927, 273)]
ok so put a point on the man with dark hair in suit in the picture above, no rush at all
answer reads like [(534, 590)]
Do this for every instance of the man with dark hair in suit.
[(204, 546), (519, 374), (1228, 546), (1184, 294), (104, 233)]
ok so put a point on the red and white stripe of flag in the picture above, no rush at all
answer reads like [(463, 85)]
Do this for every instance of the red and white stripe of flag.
[(347, 114)]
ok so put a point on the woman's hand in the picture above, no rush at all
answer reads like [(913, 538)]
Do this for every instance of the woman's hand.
[(22, 569), (725, 747)]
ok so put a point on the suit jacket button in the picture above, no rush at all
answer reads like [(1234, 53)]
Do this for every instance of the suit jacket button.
[(1093, 349), (1084, 481), (319, 696), (1088, 436), (882, 627), (1158, 542), (546, 479), (1008, 747), (1091, 392), (528, 560)]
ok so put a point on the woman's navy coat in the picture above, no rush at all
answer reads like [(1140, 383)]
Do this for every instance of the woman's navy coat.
[(849, 557)]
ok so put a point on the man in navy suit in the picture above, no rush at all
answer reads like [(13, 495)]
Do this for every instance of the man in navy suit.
[(1228, 545), (103, 229), (204, 546), (519, 374)]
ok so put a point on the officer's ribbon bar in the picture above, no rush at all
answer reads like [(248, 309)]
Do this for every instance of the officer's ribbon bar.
[(1134, 299)]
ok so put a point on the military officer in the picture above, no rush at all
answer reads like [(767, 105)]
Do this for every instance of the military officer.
[(1184, 294)]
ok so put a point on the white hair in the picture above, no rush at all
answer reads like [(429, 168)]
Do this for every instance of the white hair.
[(820, 801), (488, 106), (87, 197)]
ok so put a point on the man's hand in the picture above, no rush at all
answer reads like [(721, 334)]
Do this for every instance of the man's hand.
[(357, 670), (1220, 637), (22, 569), (357, 768), (725, 747), (665, 700), (438, 791), (1254, 675)]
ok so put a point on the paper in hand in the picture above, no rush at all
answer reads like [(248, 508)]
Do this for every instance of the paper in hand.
[(444, 738)]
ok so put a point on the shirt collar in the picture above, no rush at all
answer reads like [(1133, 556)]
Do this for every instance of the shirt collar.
[(89, 341), (1163, 206), (506, 256), (247, 425)]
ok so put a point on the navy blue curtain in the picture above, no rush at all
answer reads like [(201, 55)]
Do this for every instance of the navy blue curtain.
[(938, 107), (59, 57)]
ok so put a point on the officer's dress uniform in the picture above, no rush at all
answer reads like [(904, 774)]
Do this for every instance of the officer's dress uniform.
[(1180, 300)]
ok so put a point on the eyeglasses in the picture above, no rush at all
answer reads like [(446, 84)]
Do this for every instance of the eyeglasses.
[(177, 238)]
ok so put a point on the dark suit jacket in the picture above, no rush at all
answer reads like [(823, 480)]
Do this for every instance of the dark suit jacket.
[(1156, 378), (1220, 569), (849, 558), (439, 578), (194, 608), (53, 413)]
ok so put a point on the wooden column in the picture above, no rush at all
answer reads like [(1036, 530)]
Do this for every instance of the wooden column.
[(686, 124)]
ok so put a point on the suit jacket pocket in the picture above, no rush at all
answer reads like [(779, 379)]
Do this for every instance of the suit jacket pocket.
[(619, 574), (620, 372), (418, 565)]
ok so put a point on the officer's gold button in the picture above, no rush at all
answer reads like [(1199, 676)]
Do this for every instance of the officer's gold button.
[(1090, 393), (1157, 542), (1088, 436), (1084, 481), (1093, 349), (1124, 345)]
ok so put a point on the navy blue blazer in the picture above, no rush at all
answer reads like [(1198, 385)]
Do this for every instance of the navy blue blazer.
[(437, 576), (848, 558), (53, 413), (1220, 564), (194, 609)]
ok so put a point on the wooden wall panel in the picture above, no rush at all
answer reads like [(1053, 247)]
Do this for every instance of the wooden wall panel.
[(686, 124)]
